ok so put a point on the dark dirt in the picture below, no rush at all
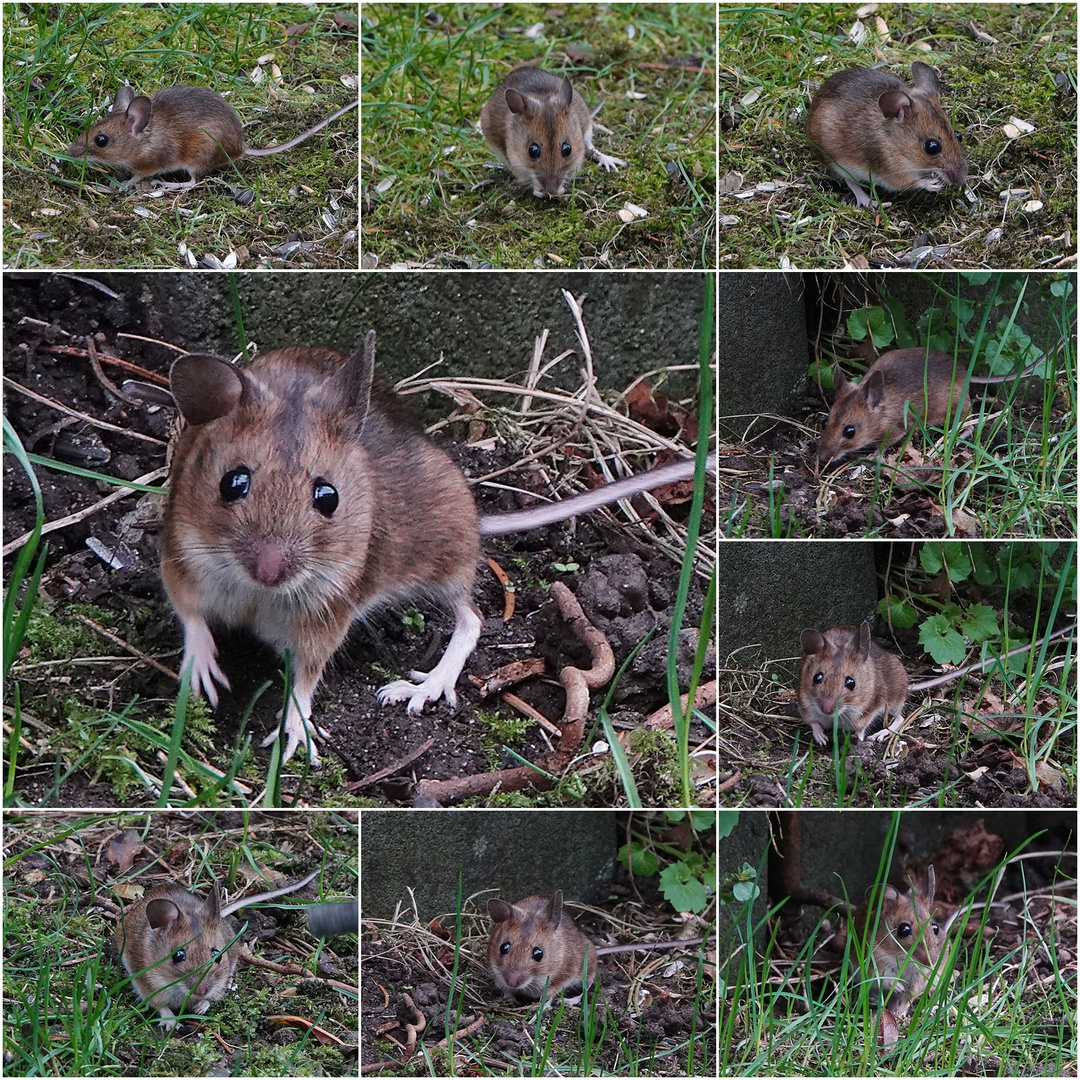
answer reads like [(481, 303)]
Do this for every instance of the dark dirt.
[(625, 585), (659, 1030), (902, 498)]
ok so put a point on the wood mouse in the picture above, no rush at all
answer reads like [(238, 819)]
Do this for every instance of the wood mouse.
[(541, 128), (535, 942), (181, 950), (301, 497), (847, 674), (867, 124), (900, 960), (847, 679), (899, 386), (181, 129)]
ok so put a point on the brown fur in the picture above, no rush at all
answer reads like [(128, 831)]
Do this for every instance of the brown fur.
[(907, 944), (537, 923), (847, 674), (900, 385)]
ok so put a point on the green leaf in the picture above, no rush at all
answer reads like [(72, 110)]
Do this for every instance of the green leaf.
[(1062, 287), (941, 641), (897, 612), (745, 892), (871, 322), (726, 820), (930, 558), (985, 574), (956, 558), (642, 861), (681, 892), (979, 623)]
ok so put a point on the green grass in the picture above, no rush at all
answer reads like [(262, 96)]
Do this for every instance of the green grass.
[(773, 57), (62, 65), (61, 975), (987, 1011), (430, 197)]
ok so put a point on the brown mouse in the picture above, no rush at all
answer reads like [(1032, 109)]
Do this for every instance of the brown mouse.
[(869, 125), (898, 387), (539, 125), (847, 679), (535, 944), (845, 672), (182, 129), (899, 962), (302, 497), (180, 949)]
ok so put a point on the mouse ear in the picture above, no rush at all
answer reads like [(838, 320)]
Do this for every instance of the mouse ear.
[(555, 908), (812, 641), (925, 78), (894, 103), (212, 903), (137, 115), (863, 641), (161, 913), (123, 99), (206, 387), (500, 910), (355, 377), (566, 94), (516, 103)]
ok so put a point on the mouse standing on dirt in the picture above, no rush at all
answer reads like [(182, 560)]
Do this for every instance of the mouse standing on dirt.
[(900, 960), (539, 125), (181, 950), (535, 944), (869, 125), (848, 679), (302, 497), (182, 129), (898, 387)]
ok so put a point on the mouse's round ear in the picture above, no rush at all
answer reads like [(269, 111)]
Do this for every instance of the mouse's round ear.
[(124, 96), (925, 78), (499, 910), (893, 104), (566, 94), (356, 376), (137, 115), (206, 387), (213, 902), (161, 912)]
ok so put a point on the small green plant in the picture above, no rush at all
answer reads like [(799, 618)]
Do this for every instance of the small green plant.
[(689, 877)]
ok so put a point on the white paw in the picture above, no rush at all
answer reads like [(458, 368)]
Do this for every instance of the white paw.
[(605, 161), (427, 687), (201, 653), (300, 733)]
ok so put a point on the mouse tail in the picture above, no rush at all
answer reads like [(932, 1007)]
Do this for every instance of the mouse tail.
[(249, 152)]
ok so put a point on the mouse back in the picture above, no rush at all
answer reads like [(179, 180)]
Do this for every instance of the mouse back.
[(182, 128), (907, 943), (177, 948), (900, 385), (535, 942), (540, 126), (869, 123), (846, 675)]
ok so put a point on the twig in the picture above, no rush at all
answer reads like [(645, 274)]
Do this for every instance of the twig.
[(382, 774)]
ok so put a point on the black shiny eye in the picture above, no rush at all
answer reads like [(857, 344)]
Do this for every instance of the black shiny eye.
[(534, 150), (959, 137), (904, 929), (849, 432), (101, 140), (849, 683), (934, 927), (818, 677), (504, 949), (566, 151), (932, 147), (236, 484), (179, 956), (217, 955), (324, 497), (537, 953)]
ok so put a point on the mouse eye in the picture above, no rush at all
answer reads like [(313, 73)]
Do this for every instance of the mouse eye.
[(101, 140), (324, 497), (537, 953), (179, 956), (932, 147), (818, 677), (566, 151), (236, 484), (904, 929), (534, 150), (959, 137), (849, 683), (849, 432), (504, 949)]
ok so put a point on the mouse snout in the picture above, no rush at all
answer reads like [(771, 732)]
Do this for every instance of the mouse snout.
[(270, 561), (549, 185)]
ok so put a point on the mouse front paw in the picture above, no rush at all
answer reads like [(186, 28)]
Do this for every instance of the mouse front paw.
[(200, 653), (300, 733), (605, 161)]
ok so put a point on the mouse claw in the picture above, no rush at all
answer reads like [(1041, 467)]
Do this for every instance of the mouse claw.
[(300, 734)]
